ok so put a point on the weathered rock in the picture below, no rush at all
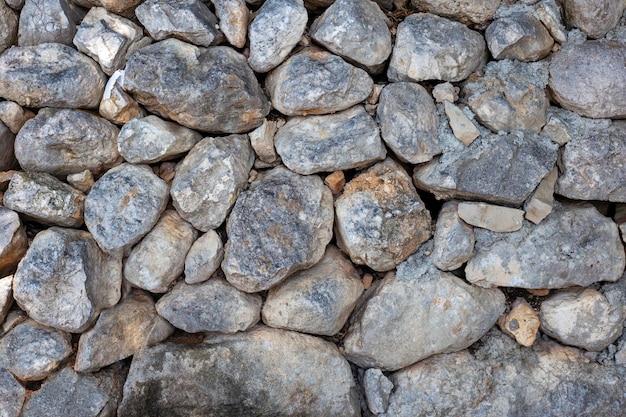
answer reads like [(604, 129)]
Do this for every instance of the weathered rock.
[(453, 243), (518, 36), (13, 241), (491, 217), (381, 219), (82, 181), (262, 140), (233, 17), (15, 4), (318, 300), (419, 312), (120, 332), (590, 79), (445, 92), (210, 178), (281, 225), (539, 205), (461, 125), (549, 14), (521, 323), (429, 47), (204, 258), (8, 31), (13, 115), (574, 245), (276, 29), (123, 7), (50, 75), (594, 17), (263, 372), (470, 12), (116, 105), (377, 389), (47, 21), (335, 181), (7, 143), (211, 89), (14, 318), (345, 140), (6, 296), (12, 395), (62, 141), (45, 199), (408, 122), (556, 130)]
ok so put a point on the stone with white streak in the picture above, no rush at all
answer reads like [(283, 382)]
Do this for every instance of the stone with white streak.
[(488, 216), (117, 106), (454, 239), (204, 258)]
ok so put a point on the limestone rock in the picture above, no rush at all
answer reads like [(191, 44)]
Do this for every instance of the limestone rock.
[(461, 125), (12, 395), (123, 7), (318, 300), (233, 17), (453, 243), (204, 258), (13, 241), (7, 144), (445, 92), (521, 323), (469, 12), (47, 21), (8, 31), (209, 179), (549, 14), (82, 181), (116, 105), (556, 130), (345, 140), (262, 140), (594, 17), (519, 36), (13, 115), (381, 219), (377, 389), (491, 217), (539, 205), (281, 225), (6, 296)]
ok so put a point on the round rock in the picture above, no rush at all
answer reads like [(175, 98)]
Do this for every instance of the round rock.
[(204, 258), (469, 12), (594, 17)]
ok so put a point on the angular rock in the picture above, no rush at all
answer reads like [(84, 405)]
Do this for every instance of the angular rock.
[(461, 125), (204, 258), (316, 82), (408, 122), (13, 241), (7, 144), (211, 89), (50, 75), (116, 105), (8, 31), (63, 141), (345, 140), (453, 243), (518, 36), (262, 140), (262, 372), (521, 323), (120, 332), (445, 92), (549, 13), (233, 17), (47, 21), (14, 318), (491, 217), (6, 296), (82, 181), (419, 312), (210, 178), (381, 219), (377, 389), (335, 182), (429, 47), (469, 12), (318, 300), (123, 7), (539, 205), (12, 395), (556, 130), (281, 225), (13, 115), (276, 29), (594, 17), (574, 245), (45, 199)]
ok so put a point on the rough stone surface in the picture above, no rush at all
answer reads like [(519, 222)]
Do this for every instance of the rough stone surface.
[(549, 13), (574, 245), (453, 243), (519, 36), (281, 225), (8, 31), (82, 181), (233, 17), (262, 140), (318, 300), (491, 217), (210, 89), (204, 258), (377, 389), (116, 105), (469, 12), (47, 21), (13, 115), (116, 6), (539, 205), (521, 323), (7, 144), (594, 17), (335, 181), (461, 125), (6, 296), (12, 395), (13, 241), (445, 92)]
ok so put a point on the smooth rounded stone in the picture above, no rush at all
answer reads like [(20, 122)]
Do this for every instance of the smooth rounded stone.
[(31, 351), (124, 205), (408, 122), (183, 76), (12, 395), (574, 245), (317, 82), (468, 12), (209, 179), (418, 312), (318, 300), (13, 241), (276, 29), (281, 225), (7, 144), (8, 31), (377, 389), (453, 240), (204, 258), (262, 372), (123, 7), (594, 17), (518, 36), (340, 141), (151, 139), (590, 79), (233, 18), (13, 115), (381, 219), (429, 47), (491, 217), (521, 323), (6, 296), (357, 30), (48, 21), (582, 318), (45, 199), (63, 141), (120, 332)]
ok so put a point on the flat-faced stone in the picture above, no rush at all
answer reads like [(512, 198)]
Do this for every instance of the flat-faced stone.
[(491, 217), (13, 115), (262, 140), (469, 12), (8, 31), (377, 388), (539, 205), (594, 17), (12, 395), (13, 241), (453, 242), (461, 125), (7, 143), (204, 258), (47, 21), (549, 13), (82, 181), (521, 323), (518, 36), (233, 18)]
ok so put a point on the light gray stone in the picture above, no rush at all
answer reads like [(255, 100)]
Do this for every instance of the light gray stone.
[(13, 241), (491, 217), (8, 31), (48, 21), (12, 395), (549, 14), (117, 105), (453, 243), (6, 296), (518, 36), (204, 258), (7, 144), (594, 17), (123, 7), (377, 388), (469, 12), (13, 115), (233, 18), (262, 140), (539, 205)]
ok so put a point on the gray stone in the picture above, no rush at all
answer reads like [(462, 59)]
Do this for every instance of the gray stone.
[(45, 199), (318, 300), (6, 296), (590, 79), (233, 17), (276, 29), (381, 219), (50, 75), (574, 245), (211, 89), (63, 141), (210, 178), (594, 17), (12, 395), (124, 7), (82, 181), (47, 21), (445, 92), (461, 125), (549, 13), (340, 141), (489, 216), (8, 31), (262, 140), (518, 36), (429, 47), (556, 130), (454, 239), (14, 318), (15, 4), (204, 258), (262, 372), (117, 105), (539, 205), (377, 389), (469, 12), (418, 312), (31, 351), (316, 82), (7, 144), (120, 332), (408, 122), (281, 225), (13, 241), (13, 115)]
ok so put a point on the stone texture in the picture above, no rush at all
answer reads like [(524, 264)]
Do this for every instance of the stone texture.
[(7, 143), (123, 205), (340, 141), (429, 47), (8, 31), (518, 36), (419, 312), (539, 205), (556, 130), (574, 245), (445, 92), (521, 323), (549, 13), (50, 75), (123, 7), (281, 225), (276, 29), (318, 300), (47, 21), (488, 216), (204, 258), (13, 115), (211, 89), (116, 105), (263, 372), (381, 219), (82, 181), (262, 140), (469, 12), (6, 296), (209, 179), (453, 242), (377, 389), (461, 125), (408, 122), (594, 17), (12, 395), (13, 241), (233, 17), (335, 181)]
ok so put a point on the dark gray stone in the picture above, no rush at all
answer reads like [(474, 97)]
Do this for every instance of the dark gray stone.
[(518, 36), (7, 144), (48, 21)]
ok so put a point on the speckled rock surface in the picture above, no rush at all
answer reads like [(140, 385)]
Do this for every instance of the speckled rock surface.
[(204, 257), (519, 36), (453, 242), (478, 12), (13, 241), (12, 395), (594, 17), (47, 21)]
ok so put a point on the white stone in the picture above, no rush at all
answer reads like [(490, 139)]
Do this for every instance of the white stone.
[(461, 125)]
